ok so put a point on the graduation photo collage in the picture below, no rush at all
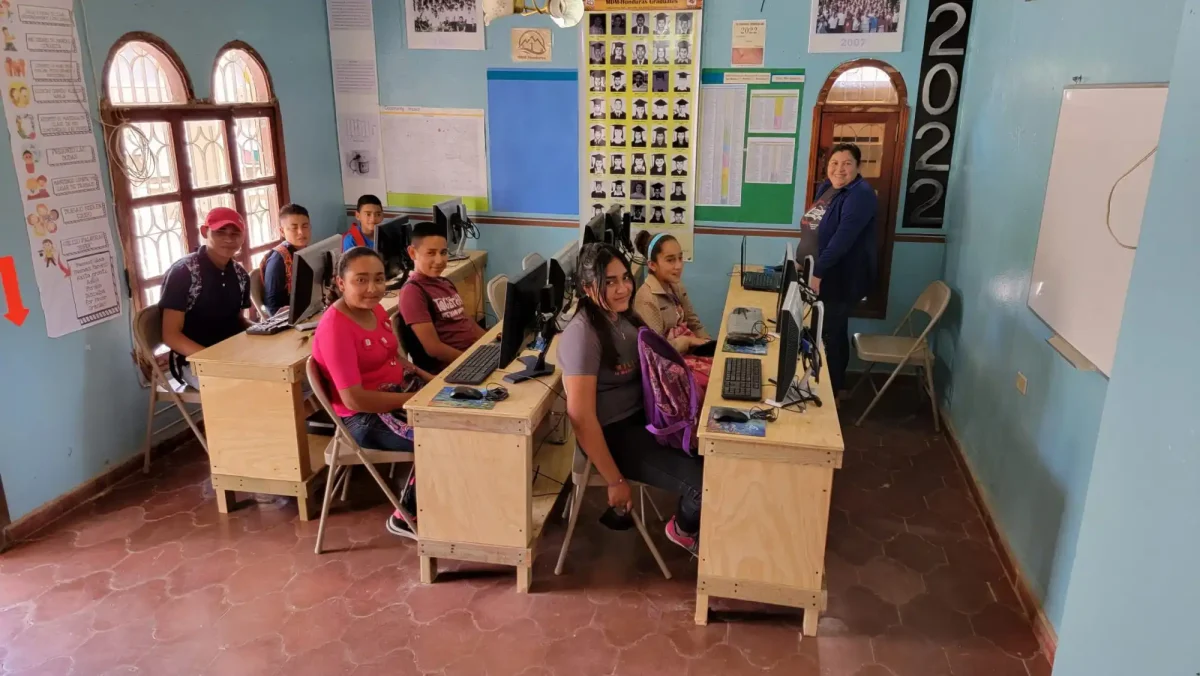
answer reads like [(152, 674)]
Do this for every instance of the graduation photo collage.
[(639, 107)]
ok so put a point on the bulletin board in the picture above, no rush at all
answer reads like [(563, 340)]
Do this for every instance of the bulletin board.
[(750, 133)]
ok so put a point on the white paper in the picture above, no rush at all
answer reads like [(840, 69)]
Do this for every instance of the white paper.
[(749, 43), (356, 98), (722, 145), (852, 26), (774, 111), (54, 149), (352, 76), (770, 160), (444, 24), (435, 151), (347, 15)]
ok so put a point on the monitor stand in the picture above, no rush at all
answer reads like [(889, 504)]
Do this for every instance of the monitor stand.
[(801, 392), (536, 367)]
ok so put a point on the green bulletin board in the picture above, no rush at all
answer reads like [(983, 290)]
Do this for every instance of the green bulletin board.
[(767, 203)]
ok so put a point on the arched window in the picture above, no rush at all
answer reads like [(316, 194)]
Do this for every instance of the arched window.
[(175, 158)]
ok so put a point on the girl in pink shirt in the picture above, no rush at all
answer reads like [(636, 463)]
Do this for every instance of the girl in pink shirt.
[(357, 352)]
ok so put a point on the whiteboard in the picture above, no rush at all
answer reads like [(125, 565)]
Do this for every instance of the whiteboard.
[(1080, 273)]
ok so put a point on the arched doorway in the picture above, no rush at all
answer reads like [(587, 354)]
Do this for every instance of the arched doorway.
[(865, 102)]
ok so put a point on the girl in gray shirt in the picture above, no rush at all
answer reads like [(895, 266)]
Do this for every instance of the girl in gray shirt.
[(598, 353)]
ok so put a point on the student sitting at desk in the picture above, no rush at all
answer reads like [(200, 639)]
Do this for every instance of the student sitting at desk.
[(598, 353), (205, 293), (663, 303), (429, 303), (368, 213), (357, 352), (276, 270)]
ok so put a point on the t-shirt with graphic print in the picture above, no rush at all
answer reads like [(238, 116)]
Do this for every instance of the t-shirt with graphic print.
[(619, 390), (809, 223), (450, 319)]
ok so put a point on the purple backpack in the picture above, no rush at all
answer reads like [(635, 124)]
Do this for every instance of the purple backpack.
[(670, 395)]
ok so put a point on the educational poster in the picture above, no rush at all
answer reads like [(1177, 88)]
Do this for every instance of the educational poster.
[(444, 24), (749, 44), (58, 166), (856, 26), (356, 97), (638, 103), (452, 152)]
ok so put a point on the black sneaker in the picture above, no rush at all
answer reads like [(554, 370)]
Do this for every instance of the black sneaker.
[(396, 525)]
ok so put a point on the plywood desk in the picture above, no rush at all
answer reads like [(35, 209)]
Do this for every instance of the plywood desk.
[(477, 497), (766, 500), (252, 394)]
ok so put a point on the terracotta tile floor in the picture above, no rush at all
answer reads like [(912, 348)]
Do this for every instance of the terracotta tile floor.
[(148, 579)]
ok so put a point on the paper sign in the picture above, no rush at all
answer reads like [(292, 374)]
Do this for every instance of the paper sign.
[(531, 44), (640, 5), (749, 43)]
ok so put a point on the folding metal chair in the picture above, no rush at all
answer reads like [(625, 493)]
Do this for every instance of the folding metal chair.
[(497, 290), (147, 338)]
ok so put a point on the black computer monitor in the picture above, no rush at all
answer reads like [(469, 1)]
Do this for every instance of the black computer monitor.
[(789, 353), (790, 276), (556, 278), (391, 241), (815, 333), (449, 215), (312, 274), (521, 305), (594, 230)]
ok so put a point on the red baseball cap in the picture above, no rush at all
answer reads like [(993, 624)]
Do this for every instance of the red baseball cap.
[(223, 216)]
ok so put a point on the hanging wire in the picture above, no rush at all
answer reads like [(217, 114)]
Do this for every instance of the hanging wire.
[(1108, 209)]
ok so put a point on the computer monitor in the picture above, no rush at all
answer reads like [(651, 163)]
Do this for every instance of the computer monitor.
[(790, 276), (312, 274), (816, 334), (568, 258), (594, 230), (556, 278), (617, 226), (521, 306), (806, 270), (450, 215), (791, 315), (391, 241)]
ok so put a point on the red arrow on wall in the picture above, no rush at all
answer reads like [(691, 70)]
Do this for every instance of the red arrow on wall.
[(12, 291)]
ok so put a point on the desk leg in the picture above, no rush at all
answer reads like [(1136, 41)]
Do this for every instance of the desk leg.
[(225, 499), (524, 578), (428, 569), (701, 609), (304, 504), (811, 617)]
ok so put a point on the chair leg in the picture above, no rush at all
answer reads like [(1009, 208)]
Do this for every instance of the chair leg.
[(388, 492), (576, 507), (407, 481), (150, 428), (346, 483), (641, 526), (879, 394), (179, 403), (330, 480), (861, 379), (653, 504), (937, 426)]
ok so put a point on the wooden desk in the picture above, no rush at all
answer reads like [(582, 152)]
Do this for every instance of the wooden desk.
[(477, 499), (766, 500), (252, 391)]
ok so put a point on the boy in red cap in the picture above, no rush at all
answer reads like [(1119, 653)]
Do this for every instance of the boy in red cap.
[(205, 293)]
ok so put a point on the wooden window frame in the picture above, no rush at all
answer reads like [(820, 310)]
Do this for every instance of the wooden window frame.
[(875, 308), (175, 115)]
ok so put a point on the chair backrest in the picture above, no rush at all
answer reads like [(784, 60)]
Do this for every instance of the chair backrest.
[(530, 261), (317, 382), (933, 300), (257, 292), (497, 291), (147, 330)]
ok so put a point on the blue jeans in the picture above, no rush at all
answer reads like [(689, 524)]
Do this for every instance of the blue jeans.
[(641, 458), (370, 432)]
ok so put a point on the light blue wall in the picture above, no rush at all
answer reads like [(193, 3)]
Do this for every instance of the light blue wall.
[(1131, 606), (459, 79), (1033, 454), (71, 407)]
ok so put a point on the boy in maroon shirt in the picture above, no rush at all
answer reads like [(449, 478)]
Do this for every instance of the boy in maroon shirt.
[(429, 303)]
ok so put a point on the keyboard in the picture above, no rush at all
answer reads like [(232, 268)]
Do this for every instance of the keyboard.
[(270, 326), (743, 379), (761, 281), (746, 320), (479, 365)]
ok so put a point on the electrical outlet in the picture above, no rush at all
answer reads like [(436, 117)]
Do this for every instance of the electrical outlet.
[(1021, 382)]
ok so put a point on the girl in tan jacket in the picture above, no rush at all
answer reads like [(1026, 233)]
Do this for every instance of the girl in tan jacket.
[(662, 302)]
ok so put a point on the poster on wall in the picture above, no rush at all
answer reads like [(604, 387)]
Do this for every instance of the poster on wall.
[(50, 128), (638, 80), (454, 143), (856, 26), (444, 24), (749, 44), (356, 97)]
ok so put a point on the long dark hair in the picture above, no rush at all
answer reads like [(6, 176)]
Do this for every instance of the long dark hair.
[(590, 272), (354, 254)]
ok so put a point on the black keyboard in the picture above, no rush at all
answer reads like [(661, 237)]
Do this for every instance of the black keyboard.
[(761, 281), (479, 365), (743, 379), (269, 326)]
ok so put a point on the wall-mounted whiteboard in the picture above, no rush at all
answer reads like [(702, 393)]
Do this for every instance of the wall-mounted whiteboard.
[(1081, 272)]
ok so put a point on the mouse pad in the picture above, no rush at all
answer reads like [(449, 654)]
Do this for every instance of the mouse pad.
[(443, 399), (746, 349), (750, 428)]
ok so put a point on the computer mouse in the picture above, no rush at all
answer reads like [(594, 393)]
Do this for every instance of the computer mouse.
[(464, 392), (741, 339), (732, 415)]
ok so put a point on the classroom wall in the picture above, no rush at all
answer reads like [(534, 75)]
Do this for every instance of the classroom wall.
[(1131, 605), (458, 79), (1033, 454), (72, 407)]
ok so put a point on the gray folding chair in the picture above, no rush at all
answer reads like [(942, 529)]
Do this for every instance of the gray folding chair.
[(531, 261), (901, 349), (343, 452), (147, 338), (497, 291)]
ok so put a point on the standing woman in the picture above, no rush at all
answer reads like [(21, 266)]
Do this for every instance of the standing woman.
[(843, 216), (357, 353), (663, 303)]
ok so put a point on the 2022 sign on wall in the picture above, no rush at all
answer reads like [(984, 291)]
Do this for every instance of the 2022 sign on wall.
[(937, 112)]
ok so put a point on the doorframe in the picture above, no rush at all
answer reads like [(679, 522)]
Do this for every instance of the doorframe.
[(869, 311)]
